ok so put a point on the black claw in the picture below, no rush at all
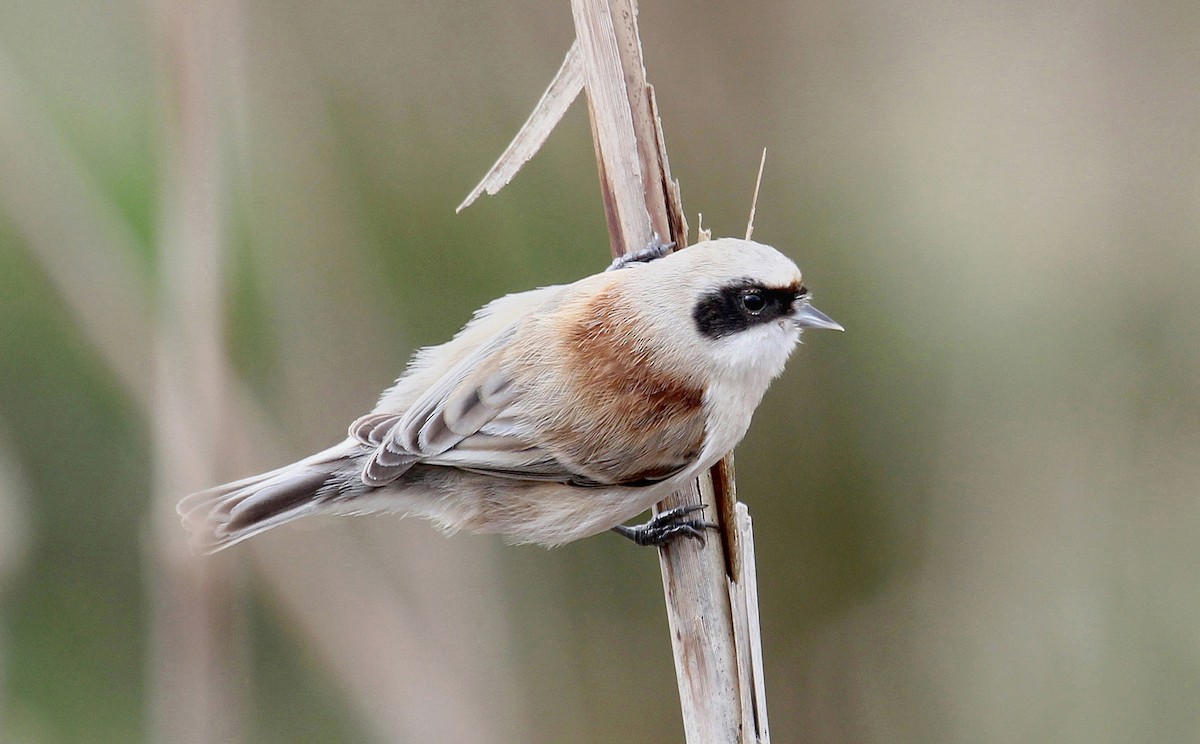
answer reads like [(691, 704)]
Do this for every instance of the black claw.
[(656, 250), (667, 526)]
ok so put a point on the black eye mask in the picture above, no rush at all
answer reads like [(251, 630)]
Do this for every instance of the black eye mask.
[(740, 305)]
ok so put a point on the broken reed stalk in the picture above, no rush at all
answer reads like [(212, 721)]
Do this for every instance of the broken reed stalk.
[(712, 600), (711, 604)]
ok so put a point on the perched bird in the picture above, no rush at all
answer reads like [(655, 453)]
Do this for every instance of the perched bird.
[(557, 413)]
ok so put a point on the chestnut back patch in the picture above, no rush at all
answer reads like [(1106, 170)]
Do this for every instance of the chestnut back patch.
[(654, 419)]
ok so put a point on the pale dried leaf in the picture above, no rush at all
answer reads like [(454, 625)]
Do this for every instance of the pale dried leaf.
[(550, 109)]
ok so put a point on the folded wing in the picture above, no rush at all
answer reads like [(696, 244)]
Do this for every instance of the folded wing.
[(466, 419)]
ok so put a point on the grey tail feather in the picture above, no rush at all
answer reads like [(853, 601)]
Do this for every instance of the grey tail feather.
[(225, 515)]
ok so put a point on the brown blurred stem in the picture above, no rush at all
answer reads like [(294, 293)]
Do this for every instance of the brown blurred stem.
[(195, 691), (86, 247)]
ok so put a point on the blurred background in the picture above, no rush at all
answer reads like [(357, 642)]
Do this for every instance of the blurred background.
[(226, 225)]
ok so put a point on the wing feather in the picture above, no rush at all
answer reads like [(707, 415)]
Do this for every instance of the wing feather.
[(465, 419), (372, 428)]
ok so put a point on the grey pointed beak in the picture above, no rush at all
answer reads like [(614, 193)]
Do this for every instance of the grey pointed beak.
[(807, 316)]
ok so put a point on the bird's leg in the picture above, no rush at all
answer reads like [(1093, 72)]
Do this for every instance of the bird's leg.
[(657, 249), (667, 526)]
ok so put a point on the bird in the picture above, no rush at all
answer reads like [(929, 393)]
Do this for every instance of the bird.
[(556, 413)]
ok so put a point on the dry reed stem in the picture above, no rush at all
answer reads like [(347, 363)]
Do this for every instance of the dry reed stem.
[(712, 601), (717, 685)]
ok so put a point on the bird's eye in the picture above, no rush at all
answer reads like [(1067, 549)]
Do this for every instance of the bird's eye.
[(753, 302)]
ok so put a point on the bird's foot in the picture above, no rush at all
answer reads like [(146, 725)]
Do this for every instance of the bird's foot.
[(656, 250), (667, 526)]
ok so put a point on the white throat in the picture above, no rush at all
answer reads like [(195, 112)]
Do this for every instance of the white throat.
[(745, 363)]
